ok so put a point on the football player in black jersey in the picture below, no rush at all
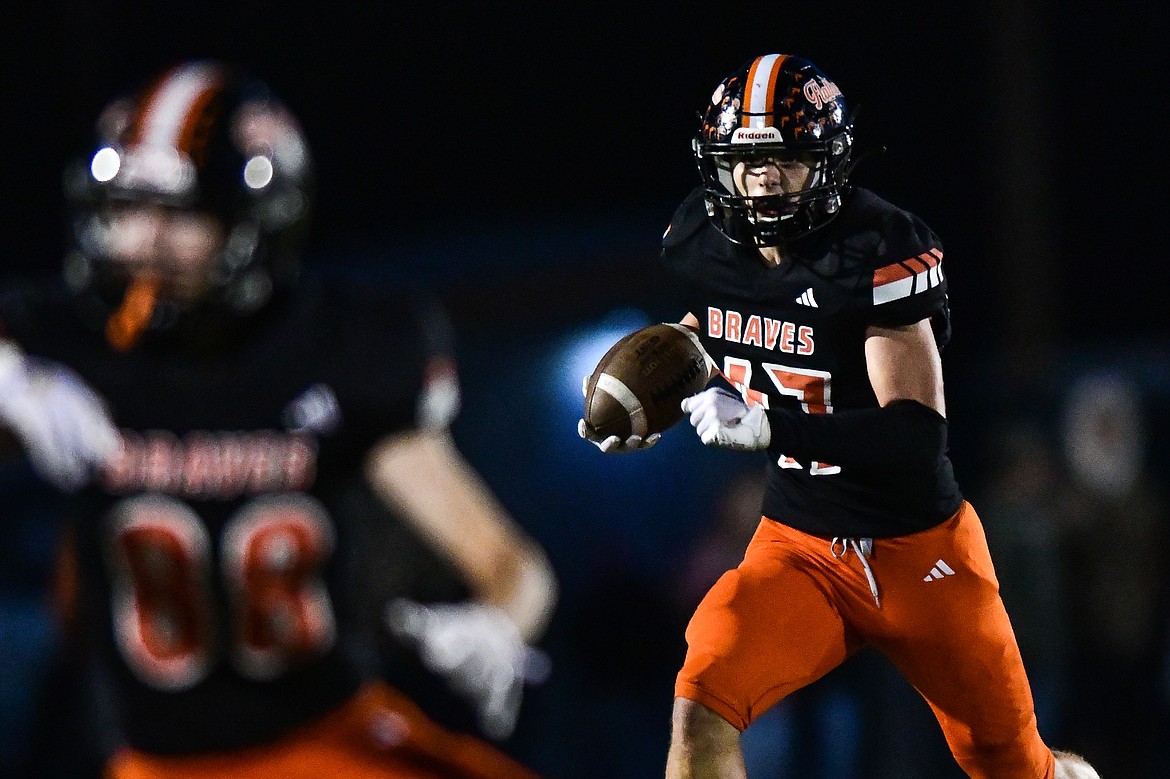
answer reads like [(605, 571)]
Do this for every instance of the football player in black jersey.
[(211, 412), (823, 308)]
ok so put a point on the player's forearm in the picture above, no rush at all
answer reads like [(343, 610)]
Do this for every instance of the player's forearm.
[(504, 567), (424, 477), (905, 435), (527, 594)]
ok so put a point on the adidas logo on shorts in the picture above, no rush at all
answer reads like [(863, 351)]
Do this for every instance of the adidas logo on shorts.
[(939, 570)]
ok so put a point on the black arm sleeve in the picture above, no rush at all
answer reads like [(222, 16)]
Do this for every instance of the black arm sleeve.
[(903, 436)]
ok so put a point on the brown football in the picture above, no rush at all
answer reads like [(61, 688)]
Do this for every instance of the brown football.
[(638, 386)]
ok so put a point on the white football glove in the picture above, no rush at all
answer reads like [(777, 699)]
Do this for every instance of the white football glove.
[(479, 651), (723, 419), (63, 426), (614, 444)]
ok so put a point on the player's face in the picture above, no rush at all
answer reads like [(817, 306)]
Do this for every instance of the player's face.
[(777, 174), (175, 247)]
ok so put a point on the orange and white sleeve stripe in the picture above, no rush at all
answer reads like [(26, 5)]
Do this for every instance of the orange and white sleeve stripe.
[(908, 277)]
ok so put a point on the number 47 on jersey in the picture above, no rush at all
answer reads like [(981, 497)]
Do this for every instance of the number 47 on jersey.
[(811, 387)]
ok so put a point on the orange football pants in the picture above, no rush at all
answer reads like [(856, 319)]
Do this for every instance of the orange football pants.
[(799, 605), (378, 734)]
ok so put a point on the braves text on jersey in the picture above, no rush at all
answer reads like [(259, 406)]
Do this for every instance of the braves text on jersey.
[(793, 336)]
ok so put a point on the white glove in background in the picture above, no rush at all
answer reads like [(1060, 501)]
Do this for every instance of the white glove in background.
[(479, 651), (723, 419), (61, 423)]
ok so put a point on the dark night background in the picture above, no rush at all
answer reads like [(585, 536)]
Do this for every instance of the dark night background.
[(522, 159)]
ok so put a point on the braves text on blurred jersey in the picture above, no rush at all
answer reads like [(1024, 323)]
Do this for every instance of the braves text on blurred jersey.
[(212, 577)]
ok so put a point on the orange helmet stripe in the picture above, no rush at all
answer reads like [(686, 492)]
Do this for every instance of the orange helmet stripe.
[(759, 93), (172, 109)]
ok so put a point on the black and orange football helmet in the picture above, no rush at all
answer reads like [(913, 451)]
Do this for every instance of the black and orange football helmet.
[(205, 137), (776, 106)]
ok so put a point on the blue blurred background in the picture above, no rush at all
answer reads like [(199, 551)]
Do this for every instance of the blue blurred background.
[(521, 159)]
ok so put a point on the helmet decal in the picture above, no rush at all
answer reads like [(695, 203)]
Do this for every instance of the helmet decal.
[(820, 90), (728, 117)]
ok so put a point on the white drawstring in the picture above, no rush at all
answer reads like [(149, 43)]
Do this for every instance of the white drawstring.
[(863, 548)]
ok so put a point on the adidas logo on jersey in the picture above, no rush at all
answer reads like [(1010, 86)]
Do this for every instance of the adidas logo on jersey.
[(939, 570), (806, 298)]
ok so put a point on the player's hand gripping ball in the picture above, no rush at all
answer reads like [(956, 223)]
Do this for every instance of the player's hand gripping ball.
[(636, 390)]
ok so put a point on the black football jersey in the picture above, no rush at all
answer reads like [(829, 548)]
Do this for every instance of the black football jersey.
[(793, 337), (213, 556)]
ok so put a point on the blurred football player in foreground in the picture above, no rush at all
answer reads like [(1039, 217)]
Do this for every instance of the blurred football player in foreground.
[(824, 308), (209, 411)]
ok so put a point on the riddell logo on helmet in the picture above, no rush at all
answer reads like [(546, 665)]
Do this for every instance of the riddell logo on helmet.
[(819, 91), (755, 134)]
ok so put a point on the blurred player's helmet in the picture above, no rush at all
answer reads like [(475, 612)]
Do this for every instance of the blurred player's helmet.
[(776, 107), (201, 137)]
